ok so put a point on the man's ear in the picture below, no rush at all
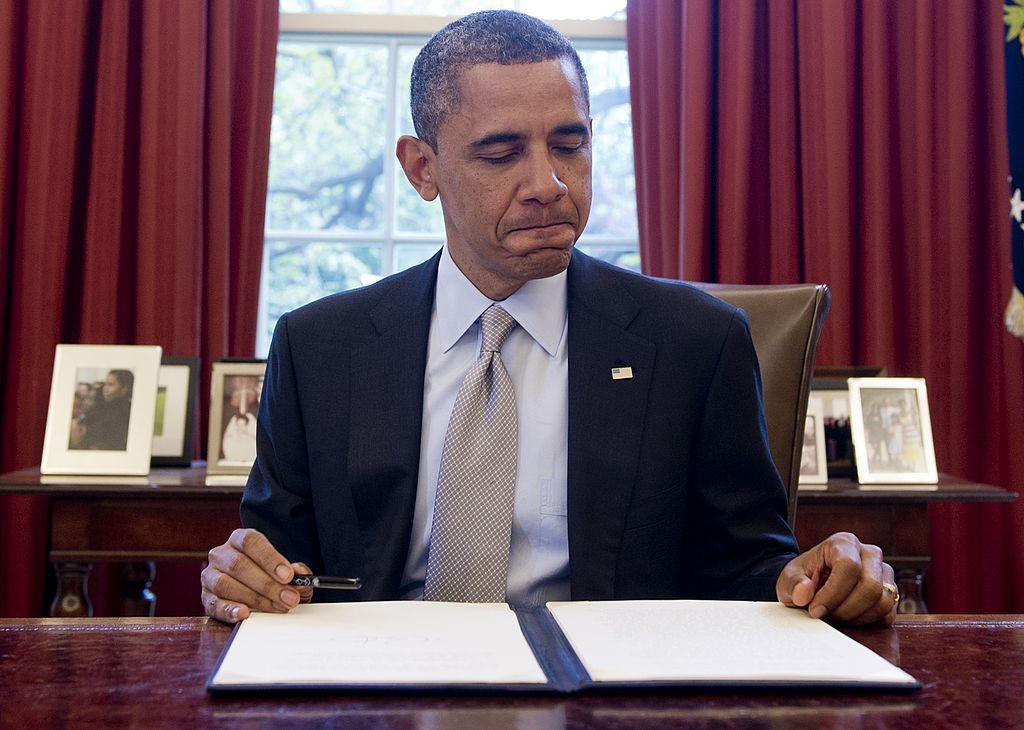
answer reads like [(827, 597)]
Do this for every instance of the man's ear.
[(418, 161)]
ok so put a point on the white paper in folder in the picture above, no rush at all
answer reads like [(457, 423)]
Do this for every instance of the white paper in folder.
[(728, 641), (402, 642)]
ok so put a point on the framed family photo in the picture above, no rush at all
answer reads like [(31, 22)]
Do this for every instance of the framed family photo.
[(100, 417), (892, 431), (813, 464), (235, 391), (175, 413)]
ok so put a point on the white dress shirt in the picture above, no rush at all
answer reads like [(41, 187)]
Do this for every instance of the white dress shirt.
[(536, 358)]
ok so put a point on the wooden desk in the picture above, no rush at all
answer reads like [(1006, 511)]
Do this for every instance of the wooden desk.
[(119, 672), (175, 515)]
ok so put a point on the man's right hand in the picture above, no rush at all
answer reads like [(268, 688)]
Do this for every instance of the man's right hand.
[(247, 573)]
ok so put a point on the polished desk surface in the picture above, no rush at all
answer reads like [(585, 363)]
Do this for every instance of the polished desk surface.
[(153, 672)]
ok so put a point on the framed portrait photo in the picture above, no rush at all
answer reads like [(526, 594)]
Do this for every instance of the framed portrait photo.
[(892, 431), (100, 418), (235, 391), (813, 464), (175, 413)]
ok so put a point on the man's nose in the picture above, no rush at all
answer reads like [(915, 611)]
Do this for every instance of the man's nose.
[(542, 182)]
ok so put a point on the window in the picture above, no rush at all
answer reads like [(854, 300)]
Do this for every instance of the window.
[(340, 213)]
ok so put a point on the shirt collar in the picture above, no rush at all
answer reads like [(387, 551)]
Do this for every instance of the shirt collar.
[(539, 306)]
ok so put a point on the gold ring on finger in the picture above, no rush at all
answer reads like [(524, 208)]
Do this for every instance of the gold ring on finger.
[(893, 591)]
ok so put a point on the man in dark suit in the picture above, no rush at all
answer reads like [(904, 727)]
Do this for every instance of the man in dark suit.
[(609, 441)]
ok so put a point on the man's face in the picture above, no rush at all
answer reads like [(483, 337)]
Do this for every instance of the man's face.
[(513, 173)]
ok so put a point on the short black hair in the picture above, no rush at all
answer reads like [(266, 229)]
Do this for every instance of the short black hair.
[(490, 36), (125, 378)]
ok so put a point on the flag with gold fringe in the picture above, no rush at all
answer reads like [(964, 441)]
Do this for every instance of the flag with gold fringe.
[(1014, 18)]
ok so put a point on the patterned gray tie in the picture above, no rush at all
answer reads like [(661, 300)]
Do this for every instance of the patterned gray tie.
[(469, 537)]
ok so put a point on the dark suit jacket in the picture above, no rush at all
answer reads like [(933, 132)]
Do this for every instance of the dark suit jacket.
[(672, 492)]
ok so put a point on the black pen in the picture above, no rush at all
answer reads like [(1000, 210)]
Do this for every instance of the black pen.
[(326, 581)]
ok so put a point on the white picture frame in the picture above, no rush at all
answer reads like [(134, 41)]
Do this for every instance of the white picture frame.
[(892, 431), (99, 420), (231, 444), (813, 459)]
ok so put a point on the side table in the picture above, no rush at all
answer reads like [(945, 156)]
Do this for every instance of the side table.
[(894, 517), (173, 514)]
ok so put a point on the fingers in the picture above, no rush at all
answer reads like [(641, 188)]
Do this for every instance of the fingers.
[(884, 611), (229, 588), (852, 591), (867, 591), (841, 556), (258, 548), (247, 573), (226, 611), (794, 586), (243, 570)]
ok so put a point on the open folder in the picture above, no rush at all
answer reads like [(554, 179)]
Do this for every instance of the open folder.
[(564, 647)]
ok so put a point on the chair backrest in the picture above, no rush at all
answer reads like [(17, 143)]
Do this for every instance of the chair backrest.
[(785, 323)]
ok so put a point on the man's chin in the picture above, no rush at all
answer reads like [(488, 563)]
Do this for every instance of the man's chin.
[(544, 262)]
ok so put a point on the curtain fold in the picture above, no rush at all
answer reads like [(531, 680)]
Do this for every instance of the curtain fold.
[(863, 145), (133, 169)]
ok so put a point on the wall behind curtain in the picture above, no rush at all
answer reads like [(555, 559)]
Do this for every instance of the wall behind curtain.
[(134, 142), (861, 144)]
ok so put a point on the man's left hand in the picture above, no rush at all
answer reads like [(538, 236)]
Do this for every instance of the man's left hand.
[(843, 580)]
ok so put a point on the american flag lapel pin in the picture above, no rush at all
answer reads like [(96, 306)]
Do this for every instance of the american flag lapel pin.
[(622, 373)]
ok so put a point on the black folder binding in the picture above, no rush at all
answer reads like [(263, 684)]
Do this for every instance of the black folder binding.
[(561, 665)]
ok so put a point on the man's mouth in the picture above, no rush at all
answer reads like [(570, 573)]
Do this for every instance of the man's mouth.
[(542, 226)]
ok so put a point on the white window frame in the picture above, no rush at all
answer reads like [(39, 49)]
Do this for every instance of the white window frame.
[(393, 31)]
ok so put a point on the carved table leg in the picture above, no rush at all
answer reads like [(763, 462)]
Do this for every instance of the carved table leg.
[(72, 597), (910, 581), (137, 597)]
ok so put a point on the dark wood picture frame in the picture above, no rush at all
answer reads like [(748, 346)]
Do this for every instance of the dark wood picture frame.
[(184, 458)]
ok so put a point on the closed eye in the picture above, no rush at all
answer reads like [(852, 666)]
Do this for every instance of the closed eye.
[(501, 159)]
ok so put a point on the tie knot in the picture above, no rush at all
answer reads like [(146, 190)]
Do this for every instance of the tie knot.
[(495, 324)]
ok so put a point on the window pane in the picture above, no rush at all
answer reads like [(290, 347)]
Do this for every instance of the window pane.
[(412, 213), (575, 9), (447, 7), (328, 137), (383, 7), (614, 208), (410, 254), (300, 271), (625, 256)]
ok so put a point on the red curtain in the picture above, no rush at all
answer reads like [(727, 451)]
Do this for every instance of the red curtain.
[(134, 141), (861, 144)]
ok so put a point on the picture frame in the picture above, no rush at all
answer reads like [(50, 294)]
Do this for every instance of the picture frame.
[(813, 461), (829, 386), (100, 416), (892, 431), (835, 404), (235, 390), (175, 414)]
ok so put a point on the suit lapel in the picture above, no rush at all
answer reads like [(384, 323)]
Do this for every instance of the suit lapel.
[(606, 419), (386, 414)]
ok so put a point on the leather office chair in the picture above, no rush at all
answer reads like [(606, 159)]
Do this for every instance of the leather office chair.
[(785, 323)]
